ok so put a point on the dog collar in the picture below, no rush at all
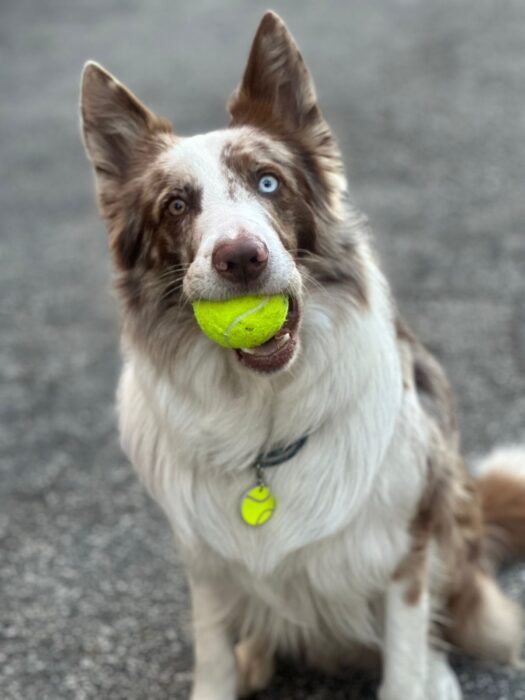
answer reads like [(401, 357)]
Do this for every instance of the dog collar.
[(258, 504), (279, 454)]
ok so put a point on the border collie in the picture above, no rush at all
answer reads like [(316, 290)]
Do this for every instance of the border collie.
[(382, 546)]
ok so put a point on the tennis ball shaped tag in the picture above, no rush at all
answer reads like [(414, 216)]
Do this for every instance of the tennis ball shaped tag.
[(257, 505), (242, 322)]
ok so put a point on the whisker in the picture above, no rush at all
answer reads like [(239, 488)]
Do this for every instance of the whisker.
[(170, 289)]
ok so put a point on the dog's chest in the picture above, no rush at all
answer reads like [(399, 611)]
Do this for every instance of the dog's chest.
[(315, 500), (344, 502), (314, 533), (334, 484), (322, 597)]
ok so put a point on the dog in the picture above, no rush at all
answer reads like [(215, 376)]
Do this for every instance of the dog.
[(381, 545)]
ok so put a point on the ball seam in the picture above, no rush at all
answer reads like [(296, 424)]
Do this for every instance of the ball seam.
[(264, 301)]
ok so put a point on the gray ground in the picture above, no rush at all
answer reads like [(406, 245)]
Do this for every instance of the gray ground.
[(428, 101)]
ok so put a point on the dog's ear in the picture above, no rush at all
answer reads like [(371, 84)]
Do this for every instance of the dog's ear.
[(277, 94), (276, 83), (114, 122)]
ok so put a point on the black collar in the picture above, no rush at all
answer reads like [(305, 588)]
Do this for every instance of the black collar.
[(279, 454)]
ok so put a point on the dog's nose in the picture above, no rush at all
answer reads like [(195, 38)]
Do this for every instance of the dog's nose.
[(241, 259)]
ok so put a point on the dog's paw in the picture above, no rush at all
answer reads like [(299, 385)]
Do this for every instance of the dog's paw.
[(209, 694), (414, 691), (402, 691), (442, 682), (254, 667)]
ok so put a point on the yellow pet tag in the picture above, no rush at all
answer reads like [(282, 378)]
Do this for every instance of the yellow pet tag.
[(257, 505)]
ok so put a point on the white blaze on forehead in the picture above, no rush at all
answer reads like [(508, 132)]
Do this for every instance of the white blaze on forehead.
[(228, 206), (199, 158)]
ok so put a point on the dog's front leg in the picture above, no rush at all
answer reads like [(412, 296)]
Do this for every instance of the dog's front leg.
[(215, 674), (405, 651), (411, 669)]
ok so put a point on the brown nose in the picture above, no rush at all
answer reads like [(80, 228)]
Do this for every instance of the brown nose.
[(241, 259)]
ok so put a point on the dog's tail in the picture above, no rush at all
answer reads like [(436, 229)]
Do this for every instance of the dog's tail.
[(501, 485), (485, 622)]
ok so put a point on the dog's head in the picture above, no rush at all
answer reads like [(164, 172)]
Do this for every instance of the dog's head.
[(255, 208)]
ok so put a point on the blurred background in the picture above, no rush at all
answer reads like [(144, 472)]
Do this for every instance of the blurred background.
[(428, 102)]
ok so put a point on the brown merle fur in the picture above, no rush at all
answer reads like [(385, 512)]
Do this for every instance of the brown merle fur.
[(471, 522), (151, 250), (305, 231)]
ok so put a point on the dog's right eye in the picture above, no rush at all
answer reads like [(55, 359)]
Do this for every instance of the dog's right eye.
[(268, 183), (177, 206)]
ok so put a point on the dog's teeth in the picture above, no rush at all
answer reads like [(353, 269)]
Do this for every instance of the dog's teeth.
[(269, 347), (282, 340)]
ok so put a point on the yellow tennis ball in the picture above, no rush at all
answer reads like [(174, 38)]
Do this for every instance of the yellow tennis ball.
[(242, 322), (257, 506)]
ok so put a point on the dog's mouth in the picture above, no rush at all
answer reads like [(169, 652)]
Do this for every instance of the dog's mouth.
[(277, 352)]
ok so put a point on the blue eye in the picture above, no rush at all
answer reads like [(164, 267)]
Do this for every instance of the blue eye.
[(268, 184)]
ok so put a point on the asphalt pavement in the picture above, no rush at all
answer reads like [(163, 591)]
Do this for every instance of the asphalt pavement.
[(428, 101)]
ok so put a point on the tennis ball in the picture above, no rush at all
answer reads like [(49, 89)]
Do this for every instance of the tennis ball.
[(242, 322), (257, 506)]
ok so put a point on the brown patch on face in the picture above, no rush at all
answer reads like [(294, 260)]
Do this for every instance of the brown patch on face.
[(152, 247), (124, 141), (150, 281), (312, 180), (245, 160), (321, 246)]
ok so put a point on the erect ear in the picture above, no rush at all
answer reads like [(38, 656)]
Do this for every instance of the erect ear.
[(277, 94), (114, 122), (276, 82)]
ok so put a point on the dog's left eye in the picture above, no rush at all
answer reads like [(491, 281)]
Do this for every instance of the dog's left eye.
[(268, 184), (177, 206)]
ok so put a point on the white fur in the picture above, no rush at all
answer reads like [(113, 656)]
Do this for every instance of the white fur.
[(406, 645), (442, 683), (314, 576), (411, 669), (214, 656)]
